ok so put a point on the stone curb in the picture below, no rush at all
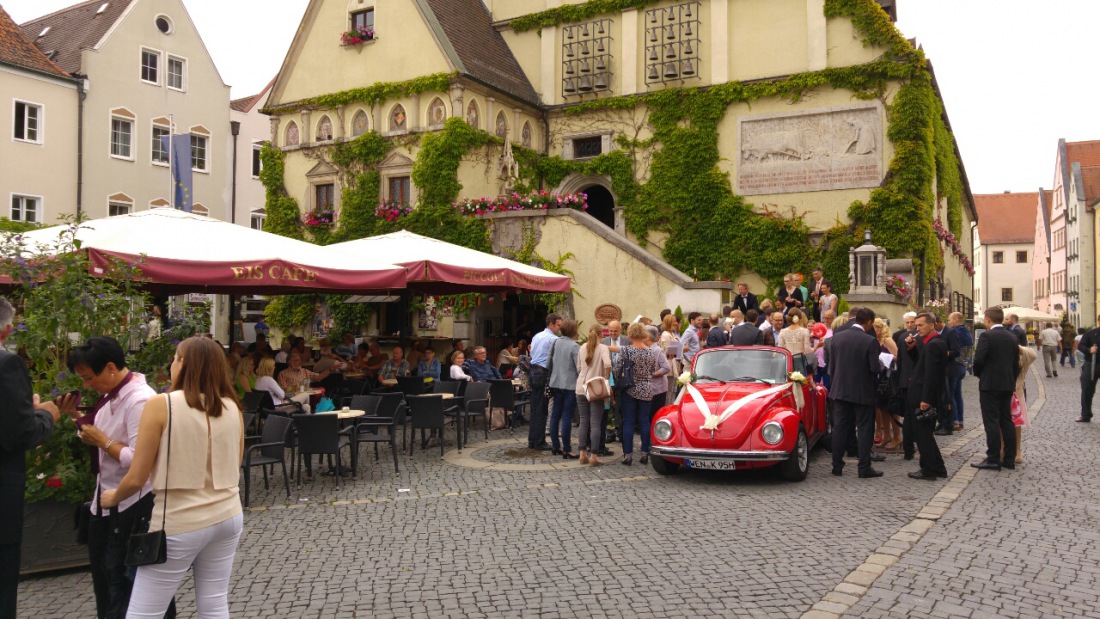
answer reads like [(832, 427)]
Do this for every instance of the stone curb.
[(858, 582)]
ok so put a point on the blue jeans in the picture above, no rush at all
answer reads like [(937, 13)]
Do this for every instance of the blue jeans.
[(561, 419), (956, 381), (635, 417), (1068, 353)]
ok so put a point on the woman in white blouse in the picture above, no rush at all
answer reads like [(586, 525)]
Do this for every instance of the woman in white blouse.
[(457, 373), (266, 382)]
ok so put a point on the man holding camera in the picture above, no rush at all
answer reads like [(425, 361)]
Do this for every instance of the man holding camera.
[(925, 390), (997, 364)]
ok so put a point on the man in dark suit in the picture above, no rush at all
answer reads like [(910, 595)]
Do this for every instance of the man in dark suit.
[(24, 424), (745, 300), (854, 365), (904, 370), (946, 424), (1088, 347), (927, 381), (996, 364), (717, 335), (770, 330), (1012, 322), (746, 333)]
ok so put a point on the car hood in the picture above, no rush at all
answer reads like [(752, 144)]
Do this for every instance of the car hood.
[(735, 431)]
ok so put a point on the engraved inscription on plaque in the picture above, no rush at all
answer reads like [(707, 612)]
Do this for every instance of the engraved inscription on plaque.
[(818, 151)]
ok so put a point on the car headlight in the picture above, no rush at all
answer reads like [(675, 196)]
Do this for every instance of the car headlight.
[(662, 430), (772, 432)]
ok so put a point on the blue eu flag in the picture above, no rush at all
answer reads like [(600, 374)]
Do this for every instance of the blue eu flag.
[(180, 147)]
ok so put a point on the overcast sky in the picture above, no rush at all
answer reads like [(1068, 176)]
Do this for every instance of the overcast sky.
[(1014, 73)]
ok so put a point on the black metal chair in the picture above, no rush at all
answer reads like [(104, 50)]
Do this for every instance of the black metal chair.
[(426, 413), (366, 429), (247, 419), (319, 435), (272, 449), (503, 395), (412, 385), (475, 405)]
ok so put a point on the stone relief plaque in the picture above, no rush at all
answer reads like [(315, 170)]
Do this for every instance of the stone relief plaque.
[(838, 148), (608, 312)]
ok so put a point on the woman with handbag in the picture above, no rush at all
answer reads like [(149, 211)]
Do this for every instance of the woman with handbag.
[(670, 344), (111, 428), (638, 370), (593, 390), (197, 519)]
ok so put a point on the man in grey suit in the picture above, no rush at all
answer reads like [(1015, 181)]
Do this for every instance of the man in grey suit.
[(746, 333), (615, 338), (854, 365), (996, 364), (24, 424)]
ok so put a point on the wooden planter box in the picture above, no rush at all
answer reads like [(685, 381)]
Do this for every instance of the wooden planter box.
[(49, 538)]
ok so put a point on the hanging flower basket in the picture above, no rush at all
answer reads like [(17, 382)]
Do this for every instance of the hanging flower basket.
[(948, 239)]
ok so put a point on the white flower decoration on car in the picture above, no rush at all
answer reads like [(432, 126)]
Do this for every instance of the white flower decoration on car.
[(797, 377), (684, 378)]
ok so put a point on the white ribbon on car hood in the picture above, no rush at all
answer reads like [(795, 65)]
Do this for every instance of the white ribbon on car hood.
[(712, 421)]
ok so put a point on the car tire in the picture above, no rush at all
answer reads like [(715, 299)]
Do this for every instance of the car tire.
[(663, 467), (797, 465)]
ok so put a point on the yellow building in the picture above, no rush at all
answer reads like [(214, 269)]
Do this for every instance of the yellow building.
[(715, 140)]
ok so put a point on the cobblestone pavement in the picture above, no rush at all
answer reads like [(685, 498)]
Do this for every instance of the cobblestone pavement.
[(444, 538)]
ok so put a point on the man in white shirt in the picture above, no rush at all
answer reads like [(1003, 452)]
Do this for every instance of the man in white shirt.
[(690, 338), (1049, 339)]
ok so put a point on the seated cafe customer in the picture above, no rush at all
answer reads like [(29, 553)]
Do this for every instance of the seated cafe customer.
[(295, 375), (429, 365), (457, 373), (265, 382), (480, 368), (394, 366)]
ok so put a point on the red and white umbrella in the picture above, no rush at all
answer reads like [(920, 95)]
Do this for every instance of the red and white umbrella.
[(444, 268), (180, 252)]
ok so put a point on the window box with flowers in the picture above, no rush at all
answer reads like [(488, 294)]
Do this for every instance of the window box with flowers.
[(900, 288), (534, 201), (392, 210), (357, 36), (320, 216)]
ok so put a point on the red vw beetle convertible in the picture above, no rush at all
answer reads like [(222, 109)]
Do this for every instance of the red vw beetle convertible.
[(744, 408)]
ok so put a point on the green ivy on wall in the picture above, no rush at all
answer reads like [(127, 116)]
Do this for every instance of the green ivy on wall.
[(948, 178), (571, 13), (283, 217), (375, 93)]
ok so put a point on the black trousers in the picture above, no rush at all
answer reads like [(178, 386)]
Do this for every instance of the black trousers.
[(536, 432), (112, 581), (999, 429), (931, 462), (847, 415), (1088, 389), (9, 579)]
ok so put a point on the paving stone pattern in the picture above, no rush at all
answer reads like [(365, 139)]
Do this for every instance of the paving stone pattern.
[(618, 541)]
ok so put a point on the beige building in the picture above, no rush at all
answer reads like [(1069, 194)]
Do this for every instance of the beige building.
[(147, 74), (39, 127), (535, 75), (1004, 249)]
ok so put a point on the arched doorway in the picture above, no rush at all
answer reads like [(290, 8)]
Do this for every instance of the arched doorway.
[(601, 204)]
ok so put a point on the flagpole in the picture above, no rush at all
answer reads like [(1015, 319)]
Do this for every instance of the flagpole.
[(171, 153)]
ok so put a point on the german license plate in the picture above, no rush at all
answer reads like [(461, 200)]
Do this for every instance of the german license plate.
[(711, 465)]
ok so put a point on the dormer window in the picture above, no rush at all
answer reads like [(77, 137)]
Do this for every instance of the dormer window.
[(44, 32), (103, 8)]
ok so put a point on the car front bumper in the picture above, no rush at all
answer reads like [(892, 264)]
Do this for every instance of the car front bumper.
[(719, 454)]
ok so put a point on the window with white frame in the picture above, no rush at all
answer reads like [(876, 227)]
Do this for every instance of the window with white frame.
[(257, 161), (26, 208), (177, 68), (256, 221), (150, 66), (160, 152), (122, 137), (198, 152), (115, 208), (28, 122)]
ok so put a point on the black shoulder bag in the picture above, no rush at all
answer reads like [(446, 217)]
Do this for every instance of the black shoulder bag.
[(151, 547)]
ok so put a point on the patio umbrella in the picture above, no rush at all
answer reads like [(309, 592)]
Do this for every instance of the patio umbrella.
[(182, 252), (439, 267), (1031, 315)]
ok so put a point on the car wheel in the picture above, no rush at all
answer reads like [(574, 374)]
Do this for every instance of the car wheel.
[(664, 467), (797, 465)]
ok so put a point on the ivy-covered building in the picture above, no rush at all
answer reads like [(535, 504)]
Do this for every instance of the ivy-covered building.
[(714, 139)]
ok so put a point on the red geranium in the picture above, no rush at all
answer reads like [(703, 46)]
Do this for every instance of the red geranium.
[(54, 482)]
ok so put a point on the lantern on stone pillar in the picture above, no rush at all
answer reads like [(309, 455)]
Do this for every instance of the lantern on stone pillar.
[(867, 268)]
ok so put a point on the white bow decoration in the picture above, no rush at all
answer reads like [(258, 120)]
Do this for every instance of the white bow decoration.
[(712, 421)]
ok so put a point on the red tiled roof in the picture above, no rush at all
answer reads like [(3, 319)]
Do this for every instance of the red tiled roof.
[(17, 50), (1085, 153), (1090, 178), (245, 104), (1006, 217), (74, 29)]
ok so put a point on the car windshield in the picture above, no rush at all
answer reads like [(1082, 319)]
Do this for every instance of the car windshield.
[(744, 365)]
